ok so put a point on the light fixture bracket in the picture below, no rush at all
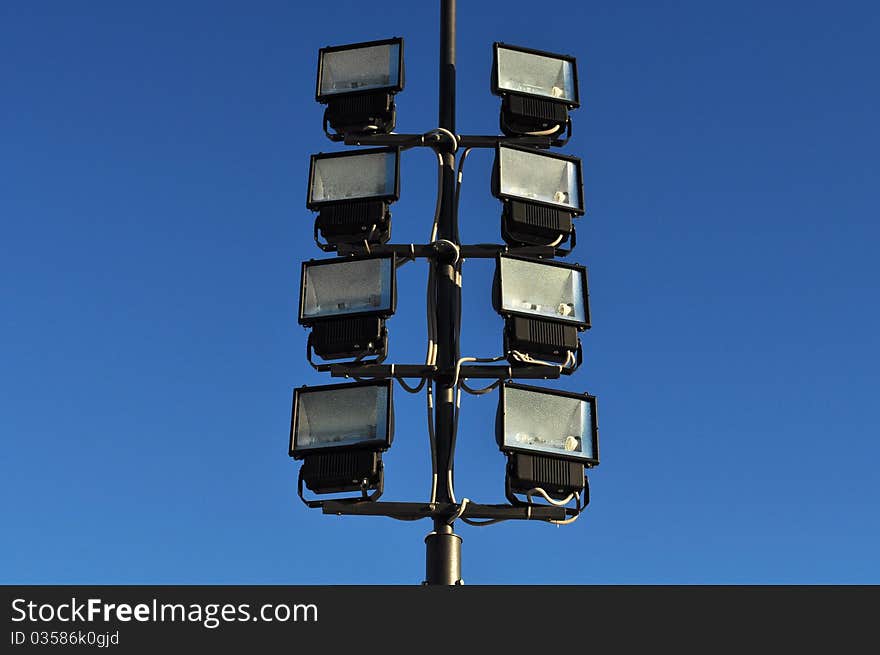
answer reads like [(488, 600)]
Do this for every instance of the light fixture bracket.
[(358, 222), (360, 115), (559, 478), (342, 472), (349, 336)]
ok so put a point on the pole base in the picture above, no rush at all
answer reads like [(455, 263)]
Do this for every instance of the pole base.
[(443, 557)]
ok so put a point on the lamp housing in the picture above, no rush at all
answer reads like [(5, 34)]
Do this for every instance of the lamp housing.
[(541, 194), (351, 192), (545, 303), (358, 82), (340, 432), (549, 437), (345, 302), (537, 89)]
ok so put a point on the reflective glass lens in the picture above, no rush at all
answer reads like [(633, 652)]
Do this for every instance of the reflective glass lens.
[(362, 285), (360, 69), (354, 176), (532, 176), (524, 72), (341, 417), (556, 425), (543, 290)]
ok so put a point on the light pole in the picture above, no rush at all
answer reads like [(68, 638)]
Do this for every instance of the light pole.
[(443, 560), (545, 459)]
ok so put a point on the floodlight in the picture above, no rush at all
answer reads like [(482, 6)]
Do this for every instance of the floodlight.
[(340, 432), (351, 192), (357, 82), (545, 304), (537, 89), (346, 301), (549, 437), (541, 193)]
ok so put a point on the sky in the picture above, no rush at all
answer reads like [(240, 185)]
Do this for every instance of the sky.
[(153, 169)]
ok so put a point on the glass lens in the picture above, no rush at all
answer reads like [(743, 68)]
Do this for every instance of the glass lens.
[(556, 425), (543, 290), (535, 74), (356, 176), (341, 417), (347, 287), (532, 176), (360, 69)]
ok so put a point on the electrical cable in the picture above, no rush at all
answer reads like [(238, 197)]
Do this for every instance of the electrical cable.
[(451, 466), (458, 180), (408, 388), (459, 511), (436, 223), (568, 366), (479, 524), (479, 392), (550, 132), (458, 364), (569, 521), (443, 131), (541, 492), (527, 359), (433, 439), (482, 524), (455, 248)]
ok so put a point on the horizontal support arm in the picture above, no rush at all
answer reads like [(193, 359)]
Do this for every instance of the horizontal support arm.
[(496, 372), (492, 372), (428, 251), (415, 511), (475, 141), (431, 139), (395, 140)]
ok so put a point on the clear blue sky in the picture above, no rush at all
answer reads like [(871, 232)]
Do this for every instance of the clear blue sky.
[(153, 164)]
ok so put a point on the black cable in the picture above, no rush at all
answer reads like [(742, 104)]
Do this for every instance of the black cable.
[(409, 388), (480, 392)]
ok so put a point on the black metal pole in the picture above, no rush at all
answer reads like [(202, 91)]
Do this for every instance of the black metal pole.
[(443, 546)]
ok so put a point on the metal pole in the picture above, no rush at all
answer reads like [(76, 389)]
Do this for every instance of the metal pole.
[(443, 546)]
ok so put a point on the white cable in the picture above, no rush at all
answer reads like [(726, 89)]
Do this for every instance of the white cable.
[(445, 132), (433, 439), (436, 223), (459, 511), (569, 364), (528, 359), (452, 245), (541, 492), (458, 368), (557, 241), (431, 304), (545, 132), (481, 524), (549, 132), (573, 518)]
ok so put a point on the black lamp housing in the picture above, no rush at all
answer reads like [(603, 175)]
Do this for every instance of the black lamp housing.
[(362, 218), (533, 220), (542, 335), (530, 111), (354, 331), (342, 465), (365, 106), (529, 466)]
